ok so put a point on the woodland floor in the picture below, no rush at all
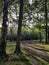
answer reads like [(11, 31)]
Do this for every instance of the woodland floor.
[(33, 54)]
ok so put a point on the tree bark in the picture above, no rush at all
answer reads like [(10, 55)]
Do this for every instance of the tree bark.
[(18, 45), (46, 20), (4, 28)]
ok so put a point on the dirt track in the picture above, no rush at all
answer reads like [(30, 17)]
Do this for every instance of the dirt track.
[(34, 51)]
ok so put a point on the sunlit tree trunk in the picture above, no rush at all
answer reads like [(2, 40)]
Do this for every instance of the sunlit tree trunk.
[(4, 28), (18, 47)]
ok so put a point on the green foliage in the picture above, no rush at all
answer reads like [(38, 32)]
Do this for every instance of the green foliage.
[(31, 34)]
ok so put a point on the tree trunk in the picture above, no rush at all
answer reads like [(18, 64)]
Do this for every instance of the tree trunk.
[(18, 49), (40, 30), (4, 28), (46, 19), (48, 34)]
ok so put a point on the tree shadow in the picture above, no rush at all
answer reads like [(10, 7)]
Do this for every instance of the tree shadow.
[(22, 57), (18, 58)]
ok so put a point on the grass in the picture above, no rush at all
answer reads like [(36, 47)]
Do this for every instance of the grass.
[(15, 59), (22, 59), (46, 47), (10, 47), (42, 61)]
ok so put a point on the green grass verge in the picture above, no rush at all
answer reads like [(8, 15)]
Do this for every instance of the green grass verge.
[(15, 59)]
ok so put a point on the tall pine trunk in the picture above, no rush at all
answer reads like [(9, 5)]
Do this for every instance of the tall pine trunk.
[(46, 40), (18, 45), (4, 28)]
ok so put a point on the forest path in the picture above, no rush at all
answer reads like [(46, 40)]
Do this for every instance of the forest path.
[(38, 54)]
